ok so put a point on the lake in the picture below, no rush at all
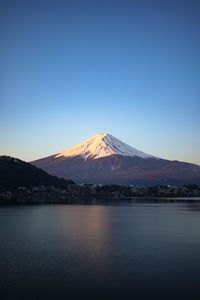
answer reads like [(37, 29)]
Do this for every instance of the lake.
[(127, 250)]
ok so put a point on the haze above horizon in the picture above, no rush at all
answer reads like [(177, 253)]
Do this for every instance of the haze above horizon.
[(72, 69)]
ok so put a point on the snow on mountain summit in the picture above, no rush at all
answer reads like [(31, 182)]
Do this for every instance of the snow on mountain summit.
[(102, 145)]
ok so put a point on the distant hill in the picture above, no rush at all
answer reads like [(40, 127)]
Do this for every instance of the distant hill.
[(15, 172)]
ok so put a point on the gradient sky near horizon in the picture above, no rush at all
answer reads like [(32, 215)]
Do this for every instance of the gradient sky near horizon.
[(72, 69)]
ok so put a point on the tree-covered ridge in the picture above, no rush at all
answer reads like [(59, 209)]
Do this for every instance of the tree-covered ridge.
[(15, 172)]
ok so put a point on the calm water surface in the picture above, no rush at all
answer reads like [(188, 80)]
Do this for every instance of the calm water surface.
[(121, 251)]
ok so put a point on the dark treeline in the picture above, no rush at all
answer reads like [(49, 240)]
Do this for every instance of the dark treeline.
[(15, 172)]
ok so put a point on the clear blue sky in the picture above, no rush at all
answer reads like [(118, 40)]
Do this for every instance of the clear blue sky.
[(72, 69)]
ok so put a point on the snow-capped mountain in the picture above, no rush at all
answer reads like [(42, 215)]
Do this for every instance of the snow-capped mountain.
[(105, 159), (102, 145)]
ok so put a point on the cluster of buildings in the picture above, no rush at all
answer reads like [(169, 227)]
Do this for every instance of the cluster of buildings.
[(168, 190), (121, 191), (50, 194), (34, 195)]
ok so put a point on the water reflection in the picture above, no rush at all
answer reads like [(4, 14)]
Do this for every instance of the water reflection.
[(88, 227), (129, 250)]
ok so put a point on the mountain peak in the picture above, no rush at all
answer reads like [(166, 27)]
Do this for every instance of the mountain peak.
[(102, 145), (101, 135)]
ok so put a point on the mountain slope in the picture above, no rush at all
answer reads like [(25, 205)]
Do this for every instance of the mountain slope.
[(102, 145), (105, 159), (15, 172)]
